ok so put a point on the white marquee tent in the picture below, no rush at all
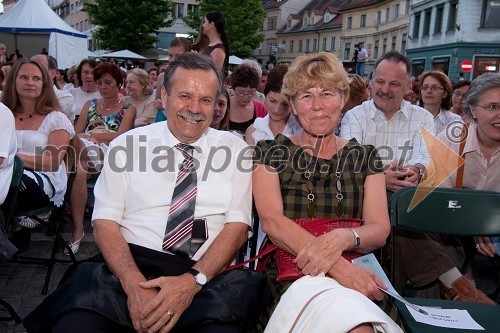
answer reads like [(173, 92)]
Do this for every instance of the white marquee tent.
[(31, 25)]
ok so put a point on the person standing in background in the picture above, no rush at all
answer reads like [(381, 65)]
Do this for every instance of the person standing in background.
[(362, 57), (214, 28)]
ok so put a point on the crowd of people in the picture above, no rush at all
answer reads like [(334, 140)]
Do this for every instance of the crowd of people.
[(188, 154)]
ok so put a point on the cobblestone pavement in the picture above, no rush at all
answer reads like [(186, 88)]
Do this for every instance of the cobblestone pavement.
[(21, 284)]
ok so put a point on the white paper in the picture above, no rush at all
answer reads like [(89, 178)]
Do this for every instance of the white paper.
[(369, 261), (449, 318)]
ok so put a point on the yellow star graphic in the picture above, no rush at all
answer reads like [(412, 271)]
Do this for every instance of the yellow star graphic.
[(444, 161)]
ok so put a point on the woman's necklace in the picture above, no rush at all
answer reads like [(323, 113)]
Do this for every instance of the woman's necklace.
[(109, 108), (311, 207), (18, 116)]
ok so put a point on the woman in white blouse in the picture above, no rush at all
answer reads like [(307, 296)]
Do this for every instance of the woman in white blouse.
[(278, 120), (43, 134)]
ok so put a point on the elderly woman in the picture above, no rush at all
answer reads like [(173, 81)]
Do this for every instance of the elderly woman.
[(244, 108), (140, 95), (278, 120), (312, 175), (43, 134), (101, 120), (435, 97)]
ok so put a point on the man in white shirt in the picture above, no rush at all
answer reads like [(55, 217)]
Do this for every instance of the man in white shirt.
[(393, 126), (134, 199), (361, 60), (65, 98)]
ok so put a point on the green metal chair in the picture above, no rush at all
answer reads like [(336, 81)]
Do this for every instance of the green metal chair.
[(449, 211), (54, 225)]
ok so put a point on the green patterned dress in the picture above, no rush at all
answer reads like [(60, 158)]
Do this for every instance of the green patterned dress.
[(291, 161)]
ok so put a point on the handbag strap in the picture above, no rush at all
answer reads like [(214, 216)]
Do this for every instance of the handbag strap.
[(272, 247), (304, 309), (461, 167), (262, 253)]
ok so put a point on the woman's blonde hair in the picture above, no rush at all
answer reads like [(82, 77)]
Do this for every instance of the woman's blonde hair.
[(322, 69), (44, 104), (143, 78)]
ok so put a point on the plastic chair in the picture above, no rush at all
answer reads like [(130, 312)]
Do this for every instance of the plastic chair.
[(54, 225), (449, 211)]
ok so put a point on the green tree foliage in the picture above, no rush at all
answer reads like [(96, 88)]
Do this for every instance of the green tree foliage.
[(128, 24), (243, 19)]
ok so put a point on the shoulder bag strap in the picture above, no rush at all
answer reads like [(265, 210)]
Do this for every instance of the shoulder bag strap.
[(461, 167)]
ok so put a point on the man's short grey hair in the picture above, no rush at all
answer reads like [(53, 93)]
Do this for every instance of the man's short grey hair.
[(253, 64), (193, 61), (478, 87)]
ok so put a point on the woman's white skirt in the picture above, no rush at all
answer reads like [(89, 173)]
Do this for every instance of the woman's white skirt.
[(320, 304)]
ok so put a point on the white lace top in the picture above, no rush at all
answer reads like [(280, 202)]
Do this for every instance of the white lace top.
[(33, 143)]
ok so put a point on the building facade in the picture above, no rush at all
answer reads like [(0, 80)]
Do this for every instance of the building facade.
[(317, 27), (445, 33), (382, 25), (276, 17)]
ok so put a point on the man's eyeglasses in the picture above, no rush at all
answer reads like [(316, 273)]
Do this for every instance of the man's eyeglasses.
[(491, 107), (432, 88), (242, 93), (459, 94)]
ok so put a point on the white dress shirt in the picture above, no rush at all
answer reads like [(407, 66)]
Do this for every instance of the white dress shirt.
[(398, 138), (137, 182), (67, 101)]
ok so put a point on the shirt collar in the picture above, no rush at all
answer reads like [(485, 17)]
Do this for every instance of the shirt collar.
[(405, 109), (169, 140)]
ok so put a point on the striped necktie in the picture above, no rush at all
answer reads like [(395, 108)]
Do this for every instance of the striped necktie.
[(181, 214)]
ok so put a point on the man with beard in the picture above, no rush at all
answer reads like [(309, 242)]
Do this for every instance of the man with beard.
[(171, 212), (393, 126)]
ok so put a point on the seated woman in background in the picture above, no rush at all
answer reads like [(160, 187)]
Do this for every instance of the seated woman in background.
[(278, 119), (435, 97), (358, 92), (220, 120), (244, 108), (43, 135), (101, 121), (460, 90), (316, 174), (140, 95), (481, 171)]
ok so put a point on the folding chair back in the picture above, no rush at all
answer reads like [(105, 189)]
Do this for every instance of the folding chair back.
[(54, 226), (448, 211)]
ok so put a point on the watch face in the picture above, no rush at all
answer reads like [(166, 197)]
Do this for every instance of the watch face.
[(201, 279)]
